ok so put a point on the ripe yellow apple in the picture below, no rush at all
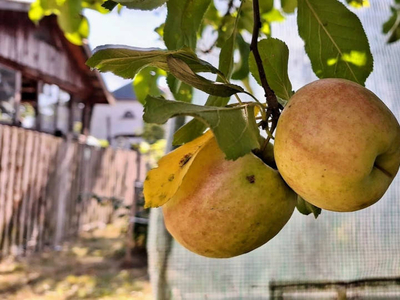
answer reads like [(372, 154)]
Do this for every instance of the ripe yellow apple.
[(337, 145), (226, 208)]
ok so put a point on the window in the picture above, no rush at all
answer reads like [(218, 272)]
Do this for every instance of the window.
[(128, 115), (53, 108), (7, 94)]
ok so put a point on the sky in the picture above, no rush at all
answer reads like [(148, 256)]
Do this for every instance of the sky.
[(129, 27)]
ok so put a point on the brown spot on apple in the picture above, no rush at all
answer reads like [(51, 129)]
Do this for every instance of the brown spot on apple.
[(251, 178)]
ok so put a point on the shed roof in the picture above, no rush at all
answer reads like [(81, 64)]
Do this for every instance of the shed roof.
[(125, 93), (43, 53)]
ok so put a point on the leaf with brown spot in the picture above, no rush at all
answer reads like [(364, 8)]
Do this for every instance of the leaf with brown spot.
[(163, 181)]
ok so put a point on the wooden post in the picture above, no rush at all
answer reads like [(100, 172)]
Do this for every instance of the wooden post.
[(17, 98), (55, 120), (38, 120), (86, 117), (108, 128), (63, 174), (130, 238), (71, 115)]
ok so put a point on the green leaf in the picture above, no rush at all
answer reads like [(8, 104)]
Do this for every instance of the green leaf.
[(307, 208), (195, 128), (181, 91), (183, 22), (127, 61), (235, 128), (226, 56), (246, 19), (389, 24), (273, 16), (160, 30), (275, 55), (212, 16), (196, 64), (109, 4), (392, 26), (73, 24), (241, 70), (266, 5), (226, 29), (82, 33), (141, 4), (41, 8), (335, 42), (226, 61), (97, 5), (36, 12), (179, 69), (70, 17), (189, 132), (289, 6), (145, 83)]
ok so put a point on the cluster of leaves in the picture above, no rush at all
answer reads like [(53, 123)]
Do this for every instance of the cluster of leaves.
[(335, 43), (76, 26), (69, 15), (392, 26), (152, 133)]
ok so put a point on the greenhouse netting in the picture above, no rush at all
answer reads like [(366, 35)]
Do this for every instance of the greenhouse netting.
[(337, 256)]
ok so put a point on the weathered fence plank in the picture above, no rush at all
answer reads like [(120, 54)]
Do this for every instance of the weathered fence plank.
[(10, 169), (18, 190), (51, 188)]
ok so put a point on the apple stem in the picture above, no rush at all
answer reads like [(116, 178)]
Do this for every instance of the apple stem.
[(274, 108)]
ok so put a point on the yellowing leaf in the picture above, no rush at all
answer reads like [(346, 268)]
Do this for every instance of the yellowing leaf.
[(358, 3), (162, 183)]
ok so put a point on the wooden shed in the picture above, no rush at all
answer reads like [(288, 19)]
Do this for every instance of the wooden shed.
[(44, 82)]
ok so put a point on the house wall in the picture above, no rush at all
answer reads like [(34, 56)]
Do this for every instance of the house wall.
[(38, 50), (118, 124)]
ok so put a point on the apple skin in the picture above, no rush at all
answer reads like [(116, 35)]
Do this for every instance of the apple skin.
[(228, 208), (337, 145)]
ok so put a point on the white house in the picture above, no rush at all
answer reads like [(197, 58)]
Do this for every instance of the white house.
[(120, 123)]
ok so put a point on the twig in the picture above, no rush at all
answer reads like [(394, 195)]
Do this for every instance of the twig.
[(273, 110)]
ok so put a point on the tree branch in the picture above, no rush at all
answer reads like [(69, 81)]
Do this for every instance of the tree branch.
[(273, 110)]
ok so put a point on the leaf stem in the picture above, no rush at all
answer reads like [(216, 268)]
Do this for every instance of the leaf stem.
[(238, 99), (273, 109)]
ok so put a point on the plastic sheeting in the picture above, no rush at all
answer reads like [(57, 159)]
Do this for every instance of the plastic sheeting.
[(337, 247)]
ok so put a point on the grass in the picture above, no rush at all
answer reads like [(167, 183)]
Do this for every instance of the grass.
[(89, 268)]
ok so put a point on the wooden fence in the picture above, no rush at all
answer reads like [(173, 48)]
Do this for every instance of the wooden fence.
[(49, 187)]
